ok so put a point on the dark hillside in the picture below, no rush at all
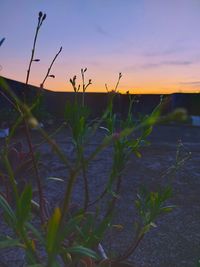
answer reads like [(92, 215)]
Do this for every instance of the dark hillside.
[(55, 101)]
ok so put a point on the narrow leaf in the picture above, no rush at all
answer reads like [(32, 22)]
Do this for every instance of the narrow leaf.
[(80, 250), (53, 229), (7, 209), (7, 243)]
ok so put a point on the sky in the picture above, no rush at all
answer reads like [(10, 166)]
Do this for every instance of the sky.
[(155, 44)]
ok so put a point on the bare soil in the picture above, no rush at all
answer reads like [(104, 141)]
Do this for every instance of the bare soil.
[(175, 242)]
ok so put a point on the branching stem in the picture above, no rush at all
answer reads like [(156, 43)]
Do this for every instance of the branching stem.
[(49, 69)]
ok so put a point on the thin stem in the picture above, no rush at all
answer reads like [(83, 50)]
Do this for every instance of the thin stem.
[(117, 84), (49, 69), (33, 51), (11, 176), (114, 198), (41, 18), (131, 248), (67, 197), (56, 149), (51, 135), (98, 198), (38, 179), (7, 188), (83, 86), (87, 199), (28, 245)]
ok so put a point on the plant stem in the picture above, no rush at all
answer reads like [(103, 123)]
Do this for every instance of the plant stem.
[(98, 198), (49, 69), (113, 201), (11, 176), (33, 52), (56, 149), (131, 248), (27, 132), (67, 196), (83, 85), (86, 200), (38, 179)]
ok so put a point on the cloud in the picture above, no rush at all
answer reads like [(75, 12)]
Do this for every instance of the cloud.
[(167, 63), (166, 52), (101, 31), (160, 64), (192, 83), (94, 63)]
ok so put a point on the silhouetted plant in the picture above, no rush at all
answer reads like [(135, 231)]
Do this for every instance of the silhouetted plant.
[(41, 18), (49, 69), (73, 238)]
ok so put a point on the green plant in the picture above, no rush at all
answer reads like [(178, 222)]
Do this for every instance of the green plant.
[(73, 238)]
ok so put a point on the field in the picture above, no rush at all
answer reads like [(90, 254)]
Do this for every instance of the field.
[(175, 240)]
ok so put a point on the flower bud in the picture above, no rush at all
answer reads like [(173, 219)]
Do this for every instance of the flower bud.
[(33, 123), (40, 15), (44, 17)]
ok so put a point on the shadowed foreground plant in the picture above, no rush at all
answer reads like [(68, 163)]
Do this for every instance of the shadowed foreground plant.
[(69, 238), (73, 238)]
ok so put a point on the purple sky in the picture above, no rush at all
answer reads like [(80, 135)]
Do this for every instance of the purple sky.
[(154, 43)]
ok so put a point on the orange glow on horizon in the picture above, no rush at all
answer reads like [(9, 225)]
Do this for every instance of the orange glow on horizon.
[(138, 83), (148, 89)]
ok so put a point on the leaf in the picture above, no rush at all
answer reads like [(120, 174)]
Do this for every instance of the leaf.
[(126, 132), (52, 230), (7, 209), (137, 153), (72, 225), (24, 207), (35, 265), (83, 251), (167, 209), (7, 243), (147, 132), (35, 232), (198, 263), (104, 128), (55, 179), (153, 224)]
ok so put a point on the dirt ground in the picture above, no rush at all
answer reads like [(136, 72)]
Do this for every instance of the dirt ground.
[(175, 242)]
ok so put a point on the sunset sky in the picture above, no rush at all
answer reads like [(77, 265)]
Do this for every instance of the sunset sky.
[(154, 43)]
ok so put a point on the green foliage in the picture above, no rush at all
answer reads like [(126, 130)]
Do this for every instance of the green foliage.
[(68, 237), (9, 242), (152, 204), (24, 206), (74, 236), (76, 117)]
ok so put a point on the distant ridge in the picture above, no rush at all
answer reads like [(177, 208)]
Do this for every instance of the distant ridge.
[(55, 102)]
